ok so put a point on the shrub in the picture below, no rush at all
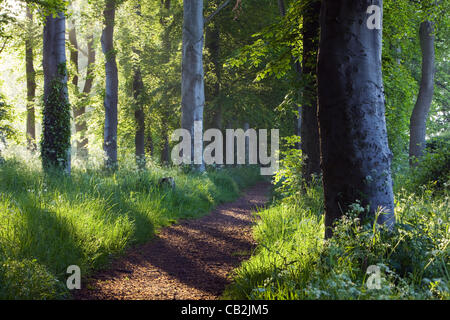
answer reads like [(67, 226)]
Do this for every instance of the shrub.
[(27, 279)]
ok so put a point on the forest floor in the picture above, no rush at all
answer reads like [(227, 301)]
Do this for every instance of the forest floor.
[(190, 260)]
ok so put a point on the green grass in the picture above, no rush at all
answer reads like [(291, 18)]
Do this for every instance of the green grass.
[(48, 222), (293, 261)]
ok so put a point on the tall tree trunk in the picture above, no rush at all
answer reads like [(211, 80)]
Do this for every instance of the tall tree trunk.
[(310, 143), (31, 83), (139, 115), (165, 152), (192, 77), (419, 115), (55, 145), (354, 148), (149, 143), (112, 86)]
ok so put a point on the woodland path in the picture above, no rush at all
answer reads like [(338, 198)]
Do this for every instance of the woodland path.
[(190, 260)]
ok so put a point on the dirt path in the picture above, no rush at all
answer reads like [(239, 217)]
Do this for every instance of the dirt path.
[(191, 260)]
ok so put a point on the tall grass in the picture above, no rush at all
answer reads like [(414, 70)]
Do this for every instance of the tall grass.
[(48, 222)]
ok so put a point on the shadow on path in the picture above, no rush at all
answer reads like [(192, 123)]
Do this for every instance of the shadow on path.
[(191, 260)]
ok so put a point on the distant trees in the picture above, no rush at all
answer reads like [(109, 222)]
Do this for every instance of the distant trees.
[(354, 148), (81, 98)]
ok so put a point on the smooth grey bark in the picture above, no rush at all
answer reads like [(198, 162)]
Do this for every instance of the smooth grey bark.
[(355, 155), (55, 127), (192, 76), (310, 143), (31, 82), (139, 115), (420, 112), (112, 86)]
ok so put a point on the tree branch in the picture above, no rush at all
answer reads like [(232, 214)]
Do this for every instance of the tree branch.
[(209, 18)]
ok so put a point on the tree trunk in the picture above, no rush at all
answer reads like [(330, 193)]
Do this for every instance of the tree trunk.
[(31, 83), (139, 116), (149, 143), (112, 84), (419, 115), (192, 78), (55, 145), (354, 148), (310, 143), (165, 152), (80, 110), (282, 7)]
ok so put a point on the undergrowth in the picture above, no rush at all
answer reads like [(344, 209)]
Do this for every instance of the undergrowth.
[(362, 260), (50, 221)]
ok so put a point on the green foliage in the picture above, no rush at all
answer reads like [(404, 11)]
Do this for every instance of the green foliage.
[(294, 262), (433, 169), (288, 179), (6, 116), (28, 280), (55, 144), (90, 217)]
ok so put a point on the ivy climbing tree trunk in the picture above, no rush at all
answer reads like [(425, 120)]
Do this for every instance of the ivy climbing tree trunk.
[(192, 77), (31, 82), (354, 148), (310, 144), (112, 86), (420, 112), (55, 144)]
